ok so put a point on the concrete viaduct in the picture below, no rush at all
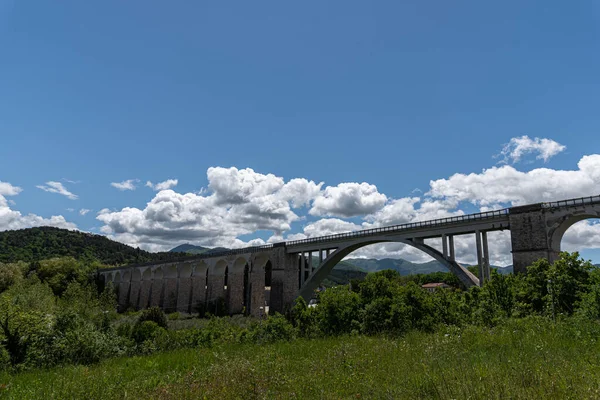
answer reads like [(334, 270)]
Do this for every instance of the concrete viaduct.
[(245, 280)]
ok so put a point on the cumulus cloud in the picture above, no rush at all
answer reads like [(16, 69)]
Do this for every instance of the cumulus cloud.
[(6, 189), (508, 185), (57, 187), (129, 184), (168, 184), (238, 202), (84, 211), (348, 200), (518, 147), (11, 219), (300, 192)]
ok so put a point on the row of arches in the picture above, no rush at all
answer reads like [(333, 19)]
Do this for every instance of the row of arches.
[(222, 287)]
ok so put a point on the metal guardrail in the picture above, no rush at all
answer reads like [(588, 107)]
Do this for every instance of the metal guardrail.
[(403, 227), (572, 202)]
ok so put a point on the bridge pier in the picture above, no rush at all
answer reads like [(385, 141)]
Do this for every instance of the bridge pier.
[(199, 285), (284, 280), (530, 237), (483, 256), (184, 287)]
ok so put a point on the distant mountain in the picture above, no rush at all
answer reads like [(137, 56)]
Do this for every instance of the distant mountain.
[(189, 248), (193, 249), (403, 267), (34, 244)]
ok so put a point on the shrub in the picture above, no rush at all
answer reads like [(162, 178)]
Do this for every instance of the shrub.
[(146, 331), (154, 314), (338, 310)]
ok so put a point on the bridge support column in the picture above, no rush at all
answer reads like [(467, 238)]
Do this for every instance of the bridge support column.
[(157, 292), (482, 256), (198, 289), (284, 280), (452, 250), (320, 257), (486, 255), (445, 246), (302, 268), (124, 286), (169, 303), (145, 289), (530, 238), (184, 287), (257, 290), (135, 288), (235, 289)]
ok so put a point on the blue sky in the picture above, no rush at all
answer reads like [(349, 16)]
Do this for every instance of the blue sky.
[(394, 94)]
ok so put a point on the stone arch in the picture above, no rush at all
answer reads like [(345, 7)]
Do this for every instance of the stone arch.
[(560, 227), (136, 275), (307, 290)]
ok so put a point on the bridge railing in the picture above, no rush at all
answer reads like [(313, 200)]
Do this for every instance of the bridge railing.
[(403, 227), (572, 202)]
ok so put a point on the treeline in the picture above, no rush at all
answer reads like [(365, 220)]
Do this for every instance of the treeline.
[(35, 244)]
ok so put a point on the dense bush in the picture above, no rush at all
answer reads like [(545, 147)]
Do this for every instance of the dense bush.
[(154, 314)]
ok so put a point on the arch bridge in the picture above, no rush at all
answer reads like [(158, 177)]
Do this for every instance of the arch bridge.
[(257, 279)]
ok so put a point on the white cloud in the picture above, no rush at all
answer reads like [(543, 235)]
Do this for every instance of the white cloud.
[(57, 187), (509, 186), (348, 200), (240, 202), (11, 219), (329, 226), (84, 211), (129, 184), (518, 147), (70, 209), (582, 235), (6, 189), (300, 192), (168, 184)]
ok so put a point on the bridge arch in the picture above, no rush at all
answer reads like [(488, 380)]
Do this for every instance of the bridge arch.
[(562, 225), (306, 291)]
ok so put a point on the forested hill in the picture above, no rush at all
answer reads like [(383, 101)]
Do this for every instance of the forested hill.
[(34, 244)]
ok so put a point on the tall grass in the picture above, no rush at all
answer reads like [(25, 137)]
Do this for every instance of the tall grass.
[(528, 358)]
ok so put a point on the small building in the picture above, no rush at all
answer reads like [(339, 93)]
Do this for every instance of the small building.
[(431, 287)]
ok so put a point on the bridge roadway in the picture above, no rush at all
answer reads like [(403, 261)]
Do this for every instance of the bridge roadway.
[(248, 278)]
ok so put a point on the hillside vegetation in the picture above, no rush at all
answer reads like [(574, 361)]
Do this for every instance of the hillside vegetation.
[(35, 244)]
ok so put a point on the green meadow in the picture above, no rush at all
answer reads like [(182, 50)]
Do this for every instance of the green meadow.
[(530, 358)]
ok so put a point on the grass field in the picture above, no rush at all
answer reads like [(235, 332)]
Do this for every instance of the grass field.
[(531, 358)]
